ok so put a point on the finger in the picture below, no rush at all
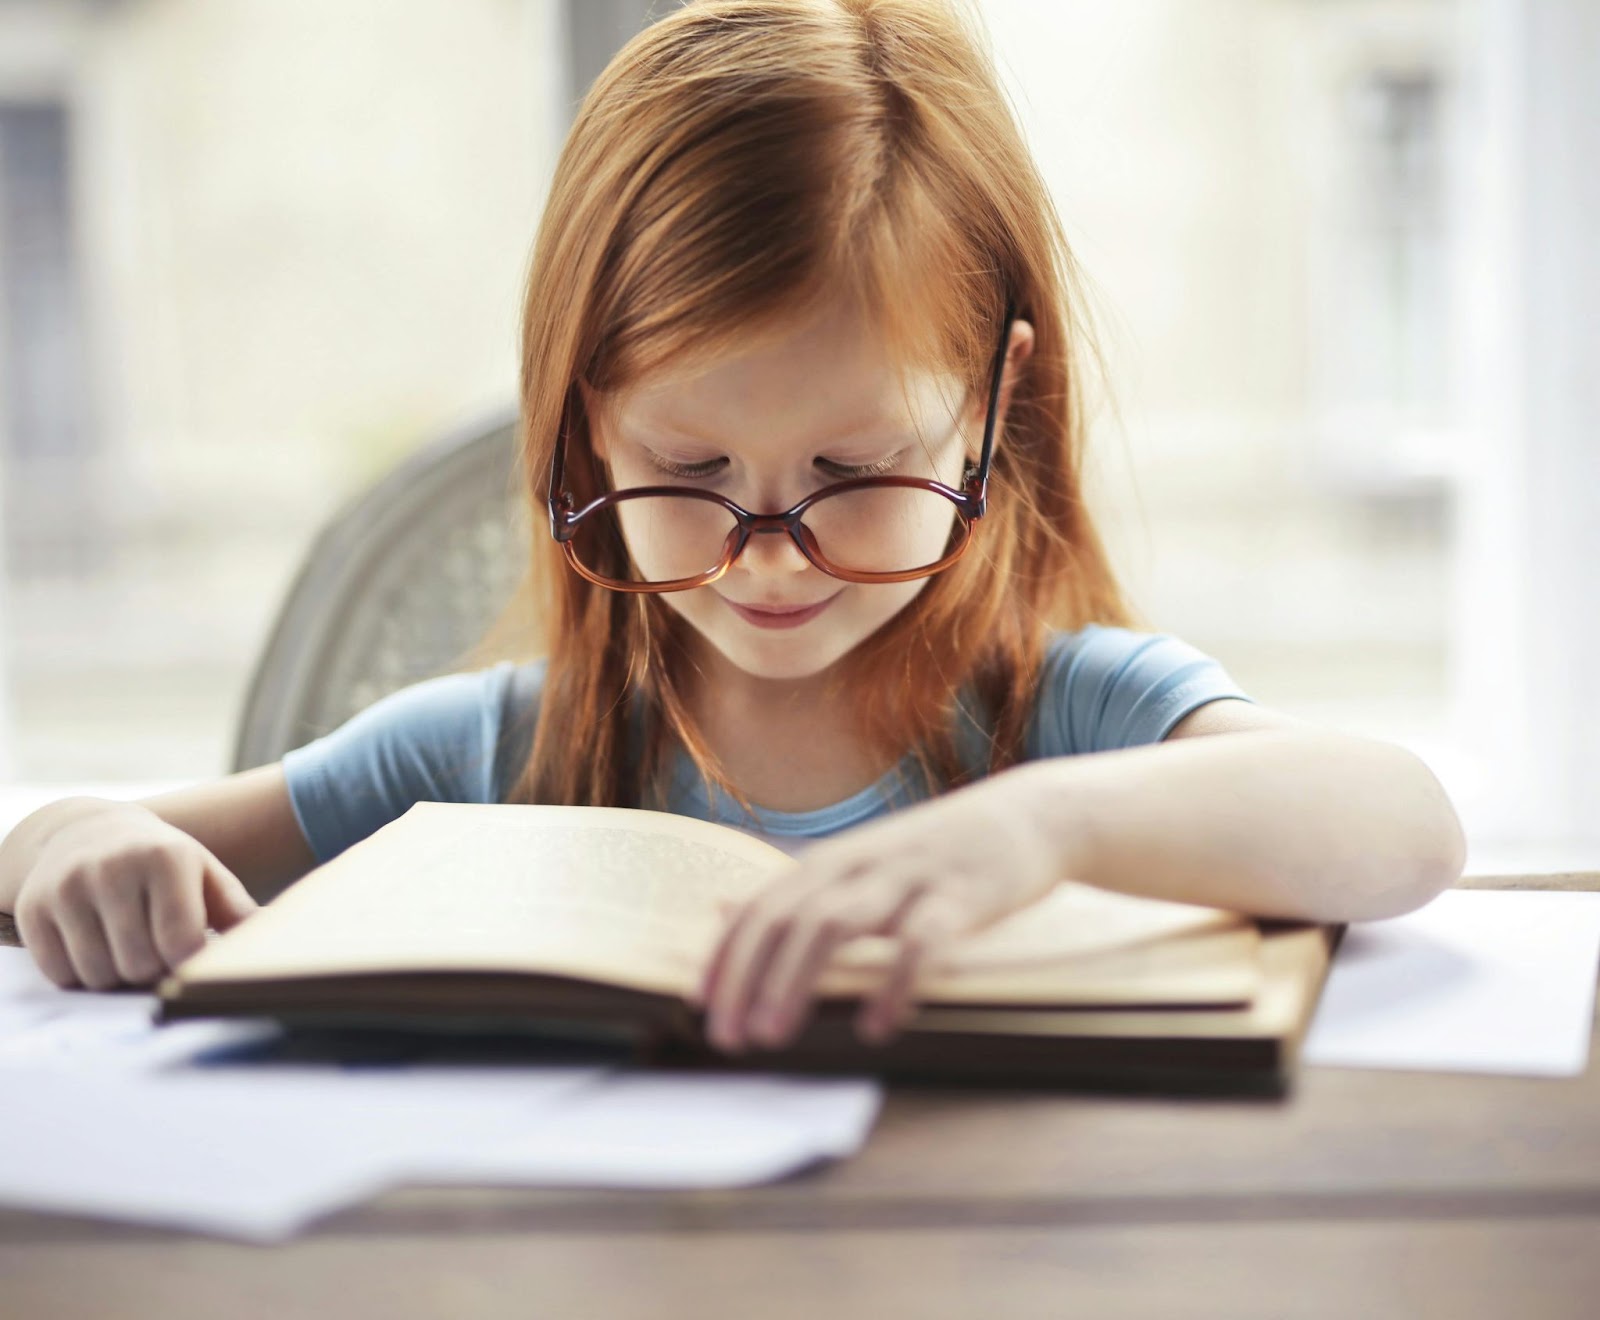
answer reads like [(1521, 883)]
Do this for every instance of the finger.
[(782, 894), (227, 901), (177, 911), (784, 993), (926, 929), (86, 945), (784, 998), (728, 911), (826, 867), (125, 919), (748, 946), (40, 936)]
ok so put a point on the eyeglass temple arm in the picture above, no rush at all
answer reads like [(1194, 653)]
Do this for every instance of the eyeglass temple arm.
[(981, 478), (557, 500)]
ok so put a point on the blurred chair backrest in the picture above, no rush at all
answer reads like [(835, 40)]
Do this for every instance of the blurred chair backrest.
[(399, 586)]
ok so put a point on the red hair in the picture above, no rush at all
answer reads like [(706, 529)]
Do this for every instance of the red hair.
[(737, 162)]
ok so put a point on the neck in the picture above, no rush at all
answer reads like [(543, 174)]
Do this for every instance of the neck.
[(718, 691), (790, 744)]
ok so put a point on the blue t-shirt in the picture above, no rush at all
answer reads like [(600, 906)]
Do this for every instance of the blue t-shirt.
[(464, 737)]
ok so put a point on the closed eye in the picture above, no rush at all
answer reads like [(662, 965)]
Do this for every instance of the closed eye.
[(849, 472), (711, 466), (689, 471)]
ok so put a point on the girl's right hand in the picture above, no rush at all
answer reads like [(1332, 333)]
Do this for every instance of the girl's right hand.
[(120, 897)]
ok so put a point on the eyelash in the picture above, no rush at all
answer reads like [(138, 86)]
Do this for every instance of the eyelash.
[(694, 471)]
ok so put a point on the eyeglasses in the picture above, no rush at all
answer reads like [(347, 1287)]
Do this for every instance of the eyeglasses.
[(868, 529)]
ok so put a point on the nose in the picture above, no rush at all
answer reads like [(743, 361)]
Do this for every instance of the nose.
[(772, 553)]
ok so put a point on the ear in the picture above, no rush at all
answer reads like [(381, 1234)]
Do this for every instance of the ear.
[(1018, 349)]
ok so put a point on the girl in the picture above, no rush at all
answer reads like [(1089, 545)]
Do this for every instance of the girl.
[(801, 399)]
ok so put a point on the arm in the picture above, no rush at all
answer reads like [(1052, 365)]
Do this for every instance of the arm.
[(107, 892), (1276, 818), (1271, 818), (244, 820)]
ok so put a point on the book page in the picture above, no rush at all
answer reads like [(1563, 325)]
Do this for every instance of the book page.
[(1292, 962), (637, 899), (1081, 945), (628, 897)]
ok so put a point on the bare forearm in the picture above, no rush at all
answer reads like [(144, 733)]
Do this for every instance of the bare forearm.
[(1288, 823)]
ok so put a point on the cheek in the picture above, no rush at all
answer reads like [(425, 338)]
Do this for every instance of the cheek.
[(707, 615), (868, 608), (900, 594), (934, 530)]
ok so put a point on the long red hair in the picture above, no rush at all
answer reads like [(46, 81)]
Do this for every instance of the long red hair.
[(735, 163)]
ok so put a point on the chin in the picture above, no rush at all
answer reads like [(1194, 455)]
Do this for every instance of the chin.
[(780, 656)]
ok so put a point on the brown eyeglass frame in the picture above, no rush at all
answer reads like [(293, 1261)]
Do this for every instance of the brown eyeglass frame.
[(970, 504)]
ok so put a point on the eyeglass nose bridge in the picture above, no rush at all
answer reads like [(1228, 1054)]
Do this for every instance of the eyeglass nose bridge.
[(788, 523)]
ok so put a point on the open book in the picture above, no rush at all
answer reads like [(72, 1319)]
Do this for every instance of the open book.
[(496, 916)]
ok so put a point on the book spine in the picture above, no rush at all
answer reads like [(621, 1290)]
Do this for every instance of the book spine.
[(1119, 1065)]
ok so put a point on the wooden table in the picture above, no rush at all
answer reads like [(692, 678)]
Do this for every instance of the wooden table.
[(1365, 1194)]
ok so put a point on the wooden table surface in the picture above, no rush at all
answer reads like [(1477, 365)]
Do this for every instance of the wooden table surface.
[(1362, 1194)]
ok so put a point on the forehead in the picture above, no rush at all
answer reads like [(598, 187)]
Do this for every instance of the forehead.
[(828, 376)]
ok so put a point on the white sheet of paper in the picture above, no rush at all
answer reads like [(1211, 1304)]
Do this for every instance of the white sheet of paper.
[(252, 1153), (259, 1152), (677, 1130), (1476, 981), (43, 1025)]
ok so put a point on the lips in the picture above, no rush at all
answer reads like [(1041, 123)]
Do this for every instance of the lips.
[(780, 609), (780, 616)]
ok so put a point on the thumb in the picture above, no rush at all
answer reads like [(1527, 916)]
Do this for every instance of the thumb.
[(227, 901)]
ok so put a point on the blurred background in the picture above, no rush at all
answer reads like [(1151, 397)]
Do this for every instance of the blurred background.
[(1343, 261)]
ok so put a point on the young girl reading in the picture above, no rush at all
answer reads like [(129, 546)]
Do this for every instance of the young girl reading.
[(801, 400)]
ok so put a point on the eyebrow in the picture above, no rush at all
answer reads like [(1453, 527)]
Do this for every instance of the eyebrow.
[(865, 428)]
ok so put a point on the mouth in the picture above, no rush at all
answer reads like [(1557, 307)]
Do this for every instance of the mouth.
[(780, 616)]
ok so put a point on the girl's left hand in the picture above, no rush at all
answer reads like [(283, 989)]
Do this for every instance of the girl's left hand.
[(926, 875)]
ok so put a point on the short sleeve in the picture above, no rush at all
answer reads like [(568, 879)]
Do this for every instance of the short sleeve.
[(445, 739), (1103, 688)]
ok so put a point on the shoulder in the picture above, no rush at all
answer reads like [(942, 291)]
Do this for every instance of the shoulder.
[(452, 738), (450, 710), (1103, 687)]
